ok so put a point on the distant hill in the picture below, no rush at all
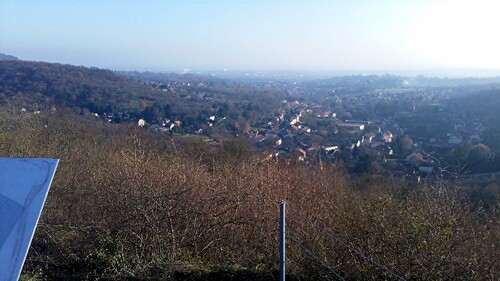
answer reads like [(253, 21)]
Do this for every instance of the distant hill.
[(4, 57), (43, 85), (189, 98), (356, 83)]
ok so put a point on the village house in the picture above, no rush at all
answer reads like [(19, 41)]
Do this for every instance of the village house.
[(353, 126), (141, 123)]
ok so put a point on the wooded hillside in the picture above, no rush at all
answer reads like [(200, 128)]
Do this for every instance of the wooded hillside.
[(42, 86)]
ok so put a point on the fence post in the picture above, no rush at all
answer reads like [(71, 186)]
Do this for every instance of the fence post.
[(282, 241)]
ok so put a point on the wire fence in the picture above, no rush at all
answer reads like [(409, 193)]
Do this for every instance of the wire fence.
[(292, 234), (313, 255), (352, 248)]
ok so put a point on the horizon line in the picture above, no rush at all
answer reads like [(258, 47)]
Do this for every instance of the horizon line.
[(438, 72)]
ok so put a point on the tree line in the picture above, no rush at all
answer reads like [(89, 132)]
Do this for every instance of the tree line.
[(43, 86)]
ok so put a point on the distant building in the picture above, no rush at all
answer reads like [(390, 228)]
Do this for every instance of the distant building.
[(454, 140), (141, 122), (354, 126), (425, 169)]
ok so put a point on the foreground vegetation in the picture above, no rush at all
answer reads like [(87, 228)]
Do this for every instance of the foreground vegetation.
[(128, 205)]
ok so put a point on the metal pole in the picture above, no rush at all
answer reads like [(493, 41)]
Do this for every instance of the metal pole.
[(282, 241)]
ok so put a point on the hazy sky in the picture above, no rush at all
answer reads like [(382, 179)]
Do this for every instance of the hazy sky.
[(255, 34)]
